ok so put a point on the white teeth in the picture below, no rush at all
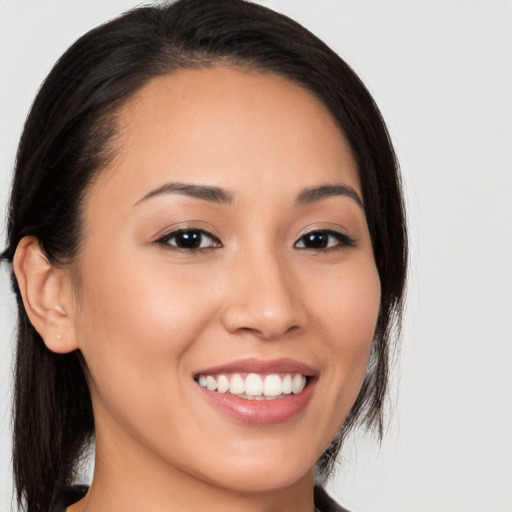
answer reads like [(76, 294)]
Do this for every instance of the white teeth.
[(254, 386), (287, 384), (211, 383), (298, 383), (272, 385), (236, 385), (222, 384)]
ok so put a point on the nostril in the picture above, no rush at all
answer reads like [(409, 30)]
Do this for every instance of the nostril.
[(266, 332)]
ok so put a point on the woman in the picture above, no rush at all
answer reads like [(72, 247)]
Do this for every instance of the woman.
[(209, 249)]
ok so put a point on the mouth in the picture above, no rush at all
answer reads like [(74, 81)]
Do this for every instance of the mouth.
[(254, 386), (259, 392)]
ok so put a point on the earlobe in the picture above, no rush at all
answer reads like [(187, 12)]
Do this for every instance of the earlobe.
[(47, 297)]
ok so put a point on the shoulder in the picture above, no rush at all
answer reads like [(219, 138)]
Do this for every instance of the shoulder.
[(69, 496), (324, 503)]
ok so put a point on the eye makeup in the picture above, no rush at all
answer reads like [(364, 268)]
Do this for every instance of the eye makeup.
[(324, 239)]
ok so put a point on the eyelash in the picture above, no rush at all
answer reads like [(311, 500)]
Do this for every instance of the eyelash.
[(343, 241)]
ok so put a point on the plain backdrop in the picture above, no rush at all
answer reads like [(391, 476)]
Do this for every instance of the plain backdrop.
[(441, 72)]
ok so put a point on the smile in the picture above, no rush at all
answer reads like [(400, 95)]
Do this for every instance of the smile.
[(258, 392), (255, 386)]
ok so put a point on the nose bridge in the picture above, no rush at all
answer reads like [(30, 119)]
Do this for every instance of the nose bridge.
[(266, 297)]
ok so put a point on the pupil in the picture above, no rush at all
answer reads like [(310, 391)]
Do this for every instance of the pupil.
[(317, 240), (189, 240)]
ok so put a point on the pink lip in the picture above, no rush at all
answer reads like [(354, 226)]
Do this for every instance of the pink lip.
[(264, 412), (260, 366)]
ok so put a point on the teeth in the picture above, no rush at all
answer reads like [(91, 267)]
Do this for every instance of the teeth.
[(272, 385), (222, 384), (211, 383), (236, 385), (287, 384), (254, 386), (298, 383)]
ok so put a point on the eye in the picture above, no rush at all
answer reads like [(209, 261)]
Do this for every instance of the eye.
[(189, 239), (322, 240)]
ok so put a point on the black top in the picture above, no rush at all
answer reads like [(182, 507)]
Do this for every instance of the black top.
[(71, 495), (323, 502)]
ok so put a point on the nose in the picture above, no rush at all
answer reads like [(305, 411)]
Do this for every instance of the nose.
[(264, 298)]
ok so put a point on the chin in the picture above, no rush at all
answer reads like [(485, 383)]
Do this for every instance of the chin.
[(269, 482), (262, 473)]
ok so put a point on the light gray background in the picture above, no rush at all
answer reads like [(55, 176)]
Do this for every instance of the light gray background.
[(441, 72)]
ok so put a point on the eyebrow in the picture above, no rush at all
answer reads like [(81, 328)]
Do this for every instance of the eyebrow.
[(204, 192), (221, 196), (311, 195)]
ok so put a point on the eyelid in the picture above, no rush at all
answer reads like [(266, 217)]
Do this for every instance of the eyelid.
[(187, 225)]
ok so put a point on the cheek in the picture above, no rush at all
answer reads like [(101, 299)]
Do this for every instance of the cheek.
[(136, 331), (139, 319), (359, 323), (348, 315), (348, 305)]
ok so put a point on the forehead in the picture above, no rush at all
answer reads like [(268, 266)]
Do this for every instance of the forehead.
[(228, 127)]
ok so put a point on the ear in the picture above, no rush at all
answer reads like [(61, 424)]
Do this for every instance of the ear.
[(47, 295)]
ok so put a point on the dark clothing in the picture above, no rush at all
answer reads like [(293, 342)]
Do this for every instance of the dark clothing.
[(323, 502), (71, 495)]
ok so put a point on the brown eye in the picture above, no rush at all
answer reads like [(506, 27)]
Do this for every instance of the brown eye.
[(318, 240), (190, 239), (323, 240)]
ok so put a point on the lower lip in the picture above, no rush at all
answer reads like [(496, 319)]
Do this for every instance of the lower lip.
[(261, 412)]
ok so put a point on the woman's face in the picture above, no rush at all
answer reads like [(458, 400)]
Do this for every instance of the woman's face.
[(226, 246)]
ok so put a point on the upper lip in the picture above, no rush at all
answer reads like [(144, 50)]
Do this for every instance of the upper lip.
[(261, 366)]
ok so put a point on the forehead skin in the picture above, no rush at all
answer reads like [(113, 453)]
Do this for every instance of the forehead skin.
[(230, 96)]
